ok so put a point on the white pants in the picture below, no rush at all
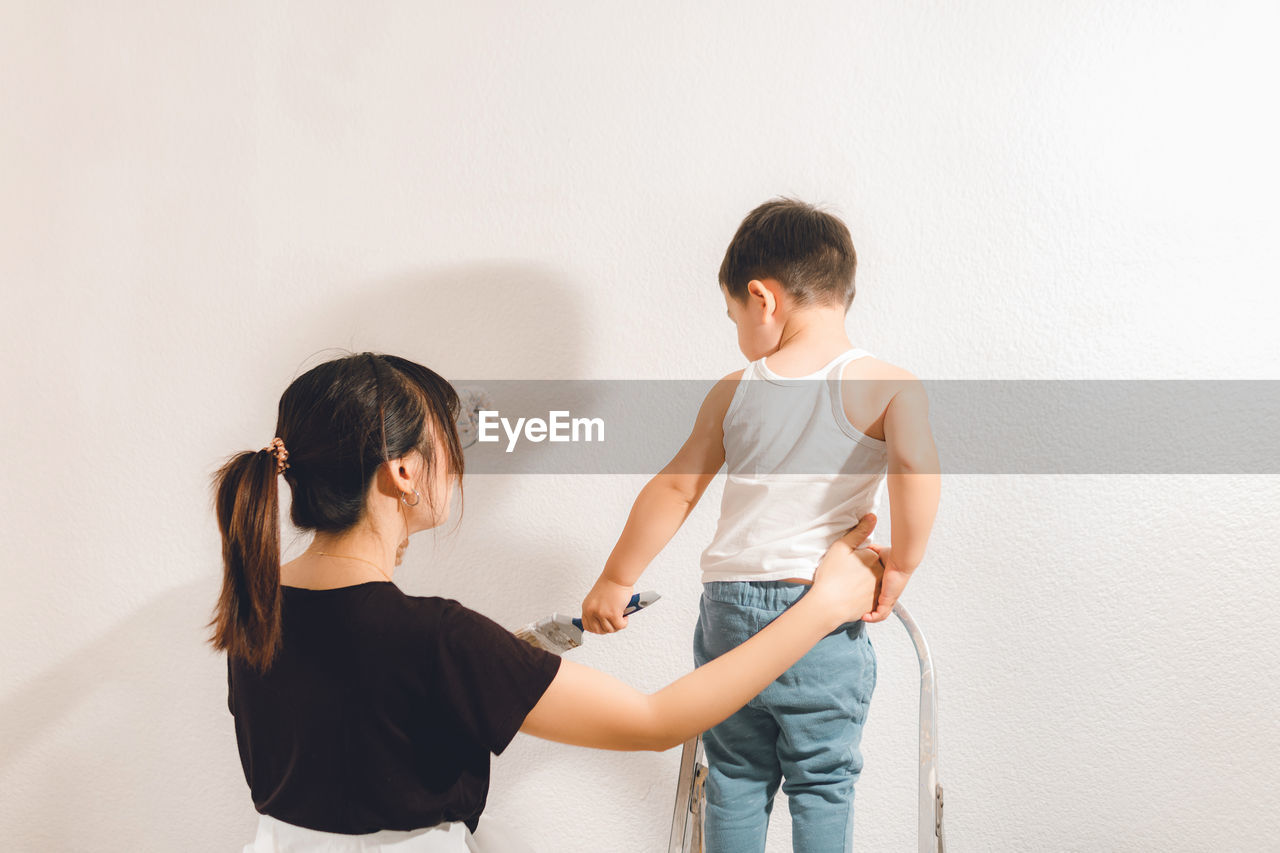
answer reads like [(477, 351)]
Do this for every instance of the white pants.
[(276, 836)]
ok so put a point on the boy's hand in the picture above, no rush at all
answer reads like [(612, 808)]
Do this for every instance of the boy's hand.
[(891, 585), (603, 606)]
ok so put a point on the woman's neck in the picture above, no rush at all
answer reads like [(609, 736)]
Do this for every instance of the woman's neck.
[(344, 559)]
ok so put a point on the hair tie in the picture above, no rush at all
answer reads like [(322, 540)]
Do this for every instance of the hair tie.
[(276, 448)]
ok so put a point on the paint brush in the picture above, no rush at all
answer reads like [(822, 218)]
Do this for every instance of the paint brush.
[(559, 634)]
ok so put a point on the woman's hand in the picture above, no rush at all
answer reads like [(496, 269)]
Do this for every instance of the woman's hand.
[(849, 576)]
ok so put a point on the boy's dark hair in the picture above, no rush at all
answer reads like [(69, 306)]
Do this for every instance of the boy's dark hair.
[(808, 251)]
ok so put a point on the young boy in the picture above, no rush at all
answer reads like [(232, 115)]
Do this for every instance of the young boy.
[(809, 430)]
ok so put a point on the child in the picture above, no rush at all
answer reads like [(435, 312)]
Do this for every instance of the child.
[(806, 453)]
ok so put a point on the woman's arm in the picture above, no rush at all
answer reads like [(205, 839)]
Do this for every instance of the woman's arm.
[(586, 707)]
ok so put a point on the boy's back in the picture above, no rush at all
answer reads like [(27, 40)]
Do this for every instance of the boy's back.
[(798, 471)]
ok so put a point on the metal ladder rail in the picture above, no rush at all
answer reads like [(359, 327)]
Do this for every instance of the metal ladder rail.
[(929, 809)]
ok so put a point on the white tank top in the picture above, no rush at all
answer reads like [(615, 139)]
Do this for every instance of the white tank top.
[(799, 474)]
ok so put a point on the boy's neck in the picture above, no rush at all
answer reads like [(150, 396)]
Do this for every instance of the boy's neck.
[(814, 334)]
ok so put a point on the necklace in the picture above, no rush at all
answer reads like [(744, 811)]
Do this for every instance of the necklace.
[(361, 559)]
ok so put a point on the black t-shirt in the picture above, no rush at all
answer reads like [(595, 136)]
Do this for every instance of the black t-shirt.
[(381, 710)]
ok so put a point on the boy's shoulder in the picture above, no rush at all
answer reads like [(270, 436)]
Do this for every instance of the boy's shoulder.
[(722, 392), (870, 385), (872, 368), (715, 405), (723, 389)]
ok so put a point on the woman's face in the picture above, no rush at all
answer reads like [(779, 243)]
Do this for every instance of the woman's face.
[(436, 489), (409, 474)]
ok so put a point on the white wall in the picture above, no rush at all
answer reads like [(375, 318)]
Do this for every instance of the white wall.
[(197, 198)]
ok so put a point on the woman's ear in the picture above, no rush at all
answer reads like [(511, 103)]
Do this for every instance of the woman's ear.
[(404, 471)]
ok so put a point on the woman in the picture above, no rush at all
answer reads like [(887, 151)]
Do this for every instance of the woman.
[(366, 717)]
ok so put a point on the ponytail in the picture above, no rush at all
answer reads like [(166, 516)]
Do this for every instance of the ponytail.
[(246, 622)]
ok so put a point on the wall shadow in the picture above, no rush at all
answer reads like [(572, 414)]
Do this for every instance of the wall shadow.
[(124, 727), (133, 730)]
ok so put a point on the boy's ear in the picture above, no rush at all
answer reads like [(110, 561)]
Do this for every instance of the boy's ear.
[(762, 297)]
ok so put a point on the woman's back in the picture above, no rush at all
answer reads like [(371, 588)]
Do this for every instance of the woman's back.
[(356, 726)]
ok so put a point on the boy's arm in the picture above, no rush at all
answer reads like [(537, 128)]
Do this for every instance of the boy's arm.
[(914, 488), (659, 510)]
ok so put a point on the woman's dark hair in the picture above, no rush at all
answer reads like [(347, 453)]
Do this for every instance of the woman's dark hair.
[(807, 250), (339, 421)]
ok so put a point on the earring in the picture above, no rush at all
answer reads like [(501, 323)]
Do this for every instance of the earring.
[(417, 498)]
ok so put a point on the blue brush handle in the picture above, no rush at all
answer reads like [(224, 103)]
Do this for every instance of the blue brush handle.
[(639, 601)]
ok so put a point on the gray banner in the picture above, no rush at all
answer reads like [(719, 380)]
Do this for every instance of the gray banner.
[(980, 426)]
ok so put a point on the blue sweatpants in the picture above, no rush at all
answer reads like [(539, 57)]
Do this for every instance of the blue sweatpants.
[(802, 731)]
